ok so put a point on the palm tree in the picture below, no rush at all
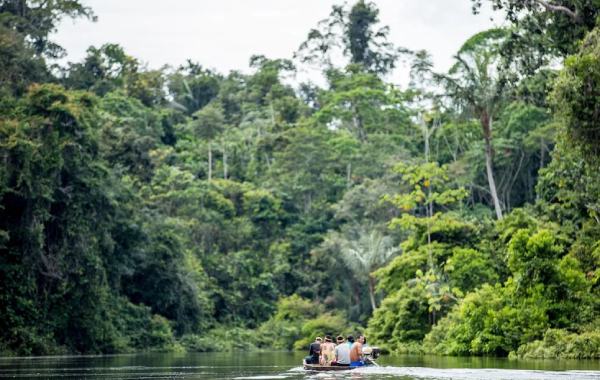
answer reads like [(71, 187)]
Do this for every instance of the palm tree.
[(207, 125), (363, 256), (473, 85)]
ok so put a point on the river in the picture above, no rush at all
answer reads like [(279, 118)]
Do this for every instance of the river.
[(285, 365)]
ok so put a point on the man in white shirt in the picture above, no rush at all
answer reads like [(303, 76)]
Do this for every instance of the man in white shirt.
[(342, 352)]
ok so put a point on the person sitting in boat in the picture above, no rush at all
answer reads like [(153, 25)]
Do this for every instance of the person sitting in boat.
[(356, 352), (327, 351), (342, 352), (314, 351)]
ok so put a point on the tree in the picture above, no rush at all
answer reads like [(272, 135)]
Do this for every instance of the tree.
[(543, 30), (576, 99), (58, 206), (207, 125), (354, 30), (423, 181), (36, 20), (363, 256), (193, 87), (473, 86), (109, 68), (363, 104), (306, 167), (19, 67)]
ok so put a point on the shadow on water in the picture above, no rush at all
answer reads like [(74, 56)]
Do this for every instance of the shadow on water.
[(285, 365)]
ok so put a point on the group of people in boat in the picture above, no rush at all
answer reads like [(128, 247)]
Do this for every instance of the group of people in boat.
[(347, 352)]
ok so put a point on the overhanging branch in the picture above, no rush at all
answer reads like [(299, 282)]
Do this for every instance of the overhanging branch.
[(554, 8)]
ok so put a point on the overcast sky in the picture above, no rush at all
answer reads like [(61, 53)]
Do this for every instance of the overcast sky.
[(223, 34)]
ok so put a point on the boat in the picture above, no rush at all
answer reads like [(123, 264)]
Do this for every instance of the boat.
[(319, 367), (370, 354)]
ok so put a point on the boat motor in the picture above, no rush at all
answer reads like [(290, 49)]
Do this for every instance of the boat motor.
[(370, 354)]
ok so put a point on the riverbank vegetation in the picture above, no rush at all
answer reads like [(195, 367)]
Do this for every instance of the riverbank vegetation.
[(187, 209)]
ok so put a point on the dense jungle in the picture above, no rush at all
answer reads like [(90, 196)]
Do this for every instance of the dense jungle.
[(188, 209)]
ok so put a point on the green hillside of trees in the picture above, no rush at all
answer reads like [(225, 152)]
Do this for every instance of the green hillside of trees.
[(188, 209)]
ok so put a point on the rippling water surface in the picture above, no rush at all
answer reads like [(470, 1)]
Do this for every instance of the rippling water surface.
[(285, 365)]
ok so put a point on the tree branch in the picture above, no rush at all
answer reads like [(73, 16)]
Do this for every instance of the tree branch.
[(554, 8)]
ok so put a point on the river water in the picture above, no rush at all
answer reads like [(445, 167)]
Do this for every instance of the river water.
[(285, 365)]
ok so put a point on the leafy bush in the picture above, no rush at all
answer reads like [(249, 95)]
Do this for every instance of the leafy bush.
[(402, 318), (468, 269), (222, 339), (285, 328), (487, 323), (575, 98), (327, 323), (140, 330), (561, 344)]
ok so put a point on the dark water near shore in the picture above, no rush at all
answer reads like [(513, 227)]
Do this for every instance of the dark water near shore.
[(285, 365)]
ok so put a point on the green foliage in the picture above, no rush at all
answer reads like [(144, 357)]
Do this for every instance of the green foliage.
[(193, 87), (208, 123), (561, 344), (542, 30), (181, 209), (297, 323), (468, 269), (36, 22), (547, 291), (352, 29), (222, 338), (284, 329), (486, 323), (109, 68), (401, 319), (326, 323), (574, 100), (19, 68)]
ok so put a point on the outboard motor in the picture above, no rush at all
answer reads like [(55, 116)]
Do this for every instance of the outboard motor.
[(376, 352), (371, 353)]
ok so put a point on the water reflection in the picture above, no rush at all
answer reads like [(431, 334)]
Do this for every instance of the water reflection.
[(284, 365)]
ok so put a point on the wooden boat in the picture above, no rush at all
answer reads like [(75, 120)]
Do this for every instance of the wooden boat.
[(319, 367), (371, 353)]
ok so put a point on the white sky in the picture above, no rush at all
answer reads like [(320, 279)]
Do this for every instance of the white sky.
[(223, 34)]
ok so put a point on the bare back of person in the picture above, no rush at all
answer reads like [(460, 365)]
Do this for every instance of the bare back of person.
[(356, 352)]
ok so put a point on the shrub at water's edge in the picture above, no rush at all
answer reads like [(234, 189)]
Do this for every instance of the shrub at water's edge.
[(541, 310), (561, 344)]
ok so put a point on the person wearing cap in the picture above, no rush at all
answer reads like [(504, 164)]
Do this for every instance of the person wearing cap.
[(327, 351), (342, 352), (315, 349)]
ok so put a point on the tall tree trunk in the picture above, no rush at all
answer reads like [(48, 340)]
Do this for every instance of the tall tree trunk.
[(542, 159), (372, 292), (426, 133), (224, 158), (486, 122), (308, 201), (209, 162), (349, 175), (362, 136), (542, 153), (429, 215), (490, 175), (272, 111), (357, 295)]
